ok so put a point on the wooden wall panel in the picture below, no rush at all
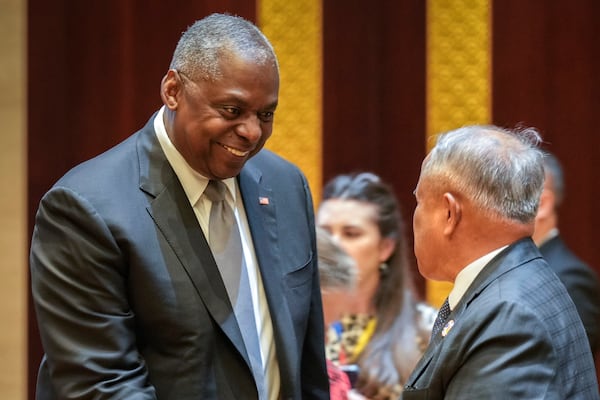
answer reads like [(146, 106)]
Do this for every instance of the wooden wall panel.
[(94, 72), (13, 200), (295, 31), (374, 93), (458, 79), (546, 62)]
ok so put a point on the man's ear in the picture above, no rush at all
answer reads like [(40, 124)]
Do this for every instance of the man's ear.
[(546, 207), (170, 89), (453, 213)]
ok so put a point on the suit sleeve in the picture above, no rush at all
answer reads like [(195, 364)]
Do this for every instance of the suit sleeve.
[(315, 382), (79, 287)]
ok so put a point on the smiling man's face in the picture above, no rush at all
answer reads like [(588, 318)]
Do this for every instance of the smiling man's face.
[(218, 125)]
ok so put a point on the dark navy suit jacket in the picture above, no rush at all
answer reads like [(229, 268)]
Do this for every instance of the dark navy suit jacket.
[(515, 334), (129, 300)]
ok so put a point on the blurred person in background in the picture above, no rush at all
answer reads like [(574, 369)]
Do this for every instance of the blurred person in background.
[(387, 329)]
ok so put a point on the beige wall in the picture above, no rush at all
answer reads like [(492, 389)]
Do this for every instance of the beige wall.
[(13, 175)]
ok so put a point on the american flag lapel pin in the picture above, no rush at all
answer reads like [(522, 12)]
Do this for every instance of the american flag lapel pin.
[(263, 201)]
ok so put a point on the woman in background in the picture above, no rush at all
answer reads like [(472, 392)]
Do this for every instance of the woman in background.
[(388, 328)]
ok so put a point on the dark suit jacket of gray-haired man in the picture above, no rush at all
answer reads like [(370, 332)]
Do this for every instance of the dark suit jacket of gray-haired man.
[(130, 301), (513, 331)]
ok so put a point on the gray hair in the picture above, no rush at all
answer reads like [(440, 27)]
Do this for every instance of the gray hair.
[(500, 170), (554, 169), (208, 41), (337, 270)]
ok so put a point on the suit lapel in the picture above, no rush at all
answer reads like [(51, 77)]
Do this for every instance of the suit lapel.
[(422, 365), (261, 205), (175, 218)]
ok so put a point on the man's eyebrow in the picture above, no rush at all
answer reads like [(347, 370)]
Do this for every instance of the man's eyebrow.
[(241, 102), (272, 106)]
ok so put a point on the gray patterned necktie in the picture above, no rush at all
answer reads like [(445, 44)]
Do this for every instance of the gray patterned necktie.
[(226, 246)]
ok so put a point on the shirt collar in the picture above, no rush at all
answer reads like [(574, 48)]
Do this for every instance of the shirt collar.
[(467, 275)]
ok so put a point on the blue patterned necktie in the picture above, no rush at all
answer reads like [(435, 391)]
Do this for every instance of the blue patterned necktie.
[(441, 318)]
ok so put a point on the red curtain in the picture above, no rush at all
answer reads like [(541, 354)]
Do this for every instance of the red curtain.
[(374, 94)]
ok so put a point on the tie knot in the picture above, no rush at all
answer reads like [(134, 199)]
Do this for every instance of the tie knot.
[(215, 191)]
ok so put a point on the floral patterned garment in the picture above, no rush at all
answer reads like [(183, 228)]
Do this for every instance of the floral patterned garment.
[(339, 384), (344, 335)]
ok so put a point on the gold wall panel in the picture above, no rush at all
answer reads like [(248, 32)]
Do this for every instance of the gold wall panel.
[(458, 76), (294, 28), (13, 200)]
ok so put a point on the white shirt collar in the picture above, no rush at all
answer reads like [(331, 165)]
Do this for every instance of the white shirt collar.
[(193, 183), (467, 275)]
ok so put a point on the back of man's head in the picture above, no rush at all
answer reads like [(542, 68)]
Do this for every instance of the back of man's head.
[(546, 220), (554, 177), (337, 270)]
